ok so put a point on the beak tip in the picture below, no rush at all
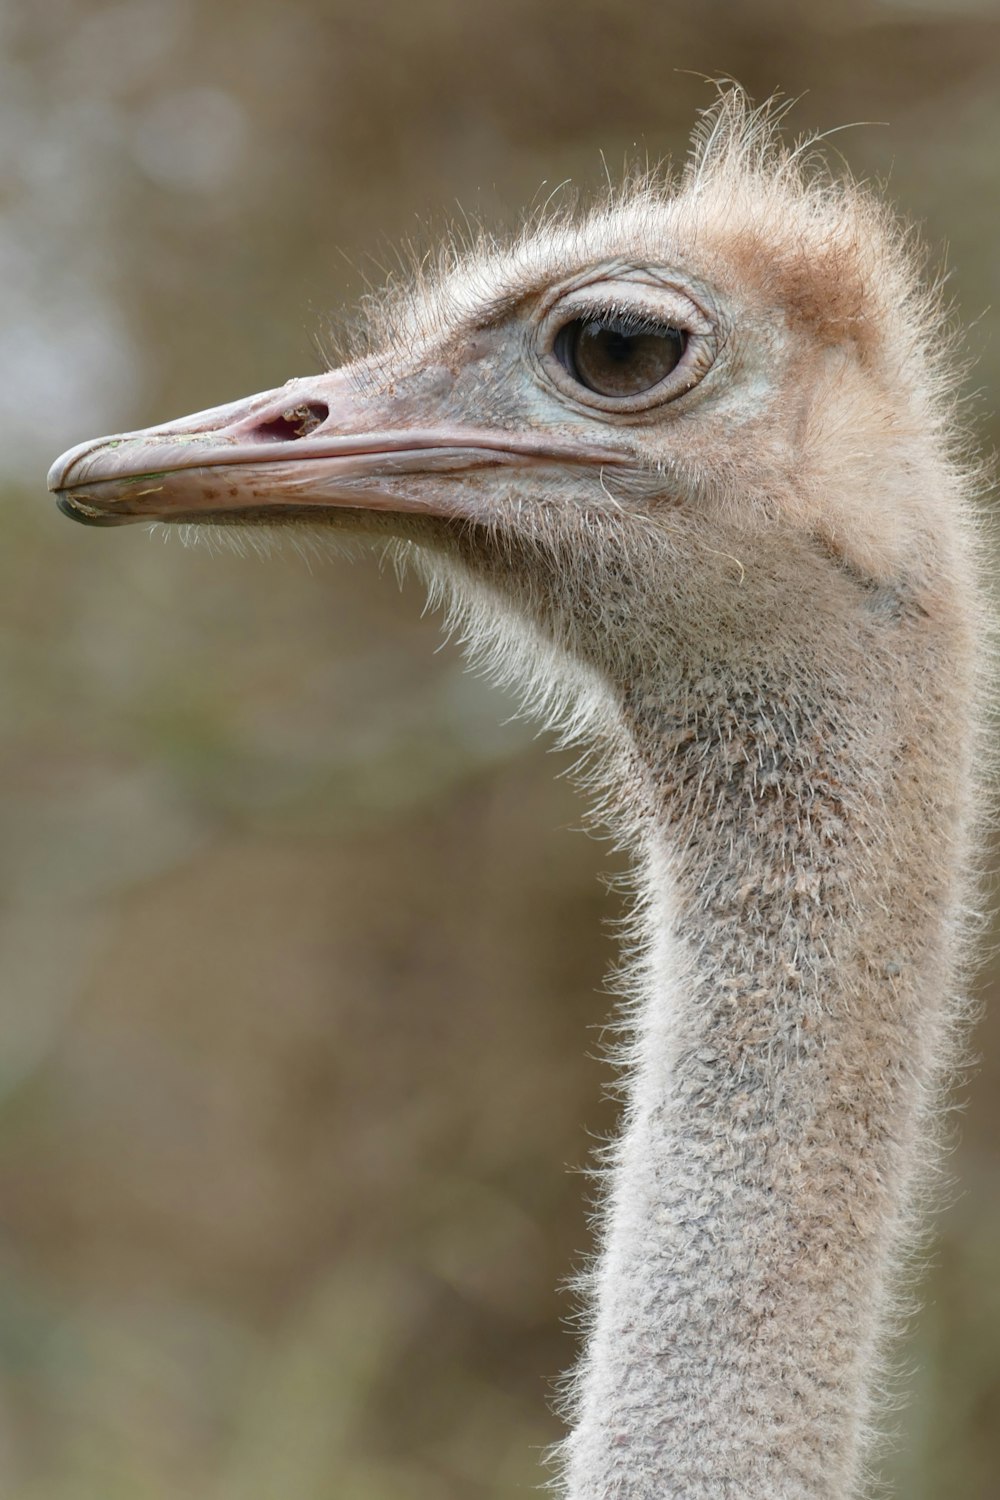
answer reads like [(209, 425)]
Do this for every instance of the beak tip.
[(58, 477), (86, 515), (54, 477)]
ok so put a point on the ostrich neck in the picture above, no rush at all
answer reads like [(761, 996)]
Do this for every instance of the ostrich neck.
[(799, 887)]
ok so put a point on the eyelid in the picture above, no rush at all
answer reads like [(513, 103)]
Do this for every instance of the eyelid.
[(661, 303)]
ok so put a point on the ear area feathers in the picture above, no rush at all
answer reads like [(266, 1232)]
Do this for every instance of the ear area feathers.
[(819, 244)]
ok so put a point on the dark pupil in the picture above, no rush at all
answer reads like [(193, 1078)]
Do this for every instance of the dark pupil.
[(616, 363)]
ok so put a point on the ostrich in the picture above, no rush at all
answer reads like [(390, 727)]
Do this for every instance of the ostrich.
[(685, 466)]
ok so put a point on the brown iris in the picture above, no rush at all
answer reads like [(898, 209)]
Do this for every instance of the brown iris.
[(619, 356)]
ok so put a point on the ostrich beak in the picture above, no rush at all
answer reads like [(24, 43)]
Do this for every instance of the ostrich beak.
[(314, 445)]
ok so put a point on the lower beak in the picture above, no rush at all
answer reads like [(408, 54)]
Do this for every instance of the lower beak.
[(291, 454)]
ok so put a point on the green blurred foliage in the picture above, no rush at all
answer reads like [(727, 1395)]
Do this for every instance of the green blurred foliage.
[(301, 970)]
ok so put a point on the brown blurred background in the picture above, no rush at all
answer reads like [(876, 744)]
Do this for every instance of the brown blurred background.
[(301, 967)]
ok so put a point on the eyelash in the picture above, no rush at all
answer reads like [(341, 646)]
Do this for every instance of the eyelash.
[(624, 321)]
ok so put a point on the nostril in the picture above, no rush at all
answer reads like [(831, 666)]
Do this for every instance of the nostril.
[(296, 422)]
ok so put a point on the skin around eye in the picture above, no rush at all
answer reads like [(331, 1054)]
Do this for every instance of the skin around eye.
[(626, 345)]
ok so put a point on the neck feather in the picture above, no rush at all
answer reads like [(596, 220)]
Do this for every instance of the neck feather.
[(801, 862), (789, 753)]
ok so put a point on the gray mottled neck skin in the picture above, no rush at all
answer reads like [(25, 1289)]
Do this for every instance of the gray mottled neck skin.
[(801, 856)]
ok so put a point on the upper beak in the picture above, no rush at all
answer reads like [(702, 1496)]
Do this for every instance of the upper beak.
[(314, 445)]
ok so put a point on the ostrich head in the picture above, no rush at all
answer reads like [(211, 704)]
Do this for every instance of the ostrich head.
[(622, 424)]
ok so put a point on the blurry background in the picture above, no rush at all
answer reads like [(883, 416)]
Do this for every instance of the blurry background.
[(302, 968)]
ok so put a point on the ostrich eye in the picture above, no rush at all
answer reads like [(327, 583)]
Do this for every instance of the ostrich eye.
[(616, 356)]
